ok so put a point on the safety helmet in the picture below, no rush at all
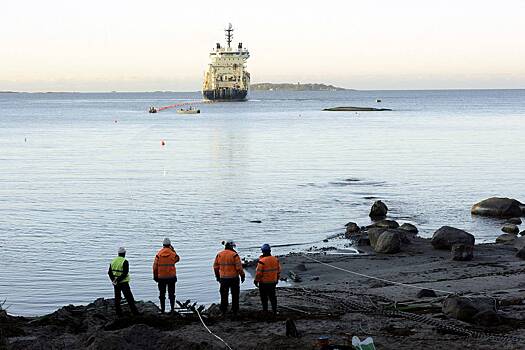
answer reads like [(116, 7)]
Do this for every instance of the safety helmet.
[(166, 242), (229, 242), (265, 248), (122, 250)]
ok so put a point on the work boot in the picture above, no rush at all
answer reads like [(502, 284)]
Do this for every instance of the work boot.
[(118, 310), (162, 305), (134, 309), (172, 305)]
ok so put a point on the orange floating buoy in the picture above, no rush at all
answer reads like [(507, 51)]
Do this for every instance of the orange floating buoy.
[(162, 143)]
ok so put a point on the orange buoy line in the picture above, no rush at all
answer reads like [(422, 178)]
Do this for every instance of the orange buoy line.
[(181, 104)]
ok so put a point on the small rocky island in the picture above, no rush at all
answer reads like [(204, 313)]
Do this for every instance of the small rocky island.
[(295, 87)]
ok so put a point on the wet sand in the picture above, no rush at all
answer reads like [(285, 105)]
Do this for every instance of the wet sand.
[(327, 302)]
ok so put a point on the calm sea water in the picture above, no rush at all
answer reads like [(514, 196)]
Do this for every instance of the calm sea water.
[(82, 174)]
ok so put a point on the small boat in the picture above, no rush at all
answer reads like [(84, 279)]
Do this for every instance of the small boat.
[(152, 110), (190, 110)]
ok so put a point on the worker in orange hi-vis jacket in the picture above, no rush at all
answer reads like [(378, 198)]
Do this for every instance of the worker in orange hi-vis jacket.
[(267, 276), (228, 272), (165, 273)]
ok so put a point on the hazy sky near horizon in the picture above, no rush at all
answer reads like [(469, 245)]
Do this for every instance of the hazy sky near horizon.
[(127, 45)]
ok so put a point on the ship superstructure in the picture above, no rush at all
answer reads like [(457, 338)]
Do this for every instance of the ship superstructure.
[(226, 78)]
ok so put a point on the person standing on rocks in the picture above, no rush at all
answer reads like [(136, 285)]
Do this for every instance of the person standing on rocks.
[(267, 276), (228, 269), (165, 273), (119, 274)]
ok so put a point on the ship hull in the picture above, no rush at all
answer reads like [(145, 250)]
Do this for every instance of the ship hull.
[(225, 95)]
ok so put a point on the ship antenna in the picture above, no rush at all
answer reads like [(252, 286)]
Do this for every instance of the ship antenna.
[(229, 34)]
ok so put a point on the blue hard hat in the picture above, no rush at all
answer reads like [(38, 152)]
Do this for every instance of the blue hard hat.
[(266, 247)]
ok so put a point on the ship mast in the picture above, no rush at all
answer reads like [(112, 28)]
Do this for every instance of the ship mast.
[(229, 34)]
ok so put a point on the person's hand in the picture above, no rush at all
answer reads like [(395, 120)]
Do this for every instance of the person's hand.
[(242, 278), (156, 279), (256, 284), (114, 282), (217, 278)]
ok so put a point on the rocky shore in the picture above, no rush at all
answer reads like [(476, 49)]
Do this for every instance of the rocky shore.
[(406, 292)]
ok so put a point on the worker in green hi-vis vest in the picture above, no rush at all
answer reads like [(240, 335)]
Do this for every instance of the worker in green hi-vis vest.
[(119, 274)]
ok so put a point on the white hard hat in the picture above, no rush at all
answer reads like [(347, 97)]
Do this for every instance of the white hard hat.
[(122, 250), (166, 241)]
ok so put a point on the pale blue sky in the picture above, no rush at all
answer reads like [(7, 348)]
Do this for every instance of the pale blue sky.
[(96, 45)]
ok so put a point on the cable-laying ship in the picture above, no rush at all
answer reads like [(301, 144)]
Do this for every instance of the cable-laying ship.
[(226, 78)]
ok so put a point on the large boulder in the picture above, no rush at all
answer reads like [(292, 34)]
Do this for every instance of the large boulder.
[(462, 252), (506, 238), (373, 235), (409, 228), (465, 309), (378, 210), (385, 224), (510, 228), (446, 236), (498, 207), (389, 242)]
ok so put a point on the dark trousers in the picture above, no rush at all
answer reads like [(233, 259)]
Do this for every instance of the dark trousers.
[(170, 284), (267, 291), (126, 290), (228, 284)]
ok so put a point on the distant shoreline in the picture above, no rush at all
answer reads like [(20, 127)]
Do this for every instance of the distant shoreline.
[(295, 87)]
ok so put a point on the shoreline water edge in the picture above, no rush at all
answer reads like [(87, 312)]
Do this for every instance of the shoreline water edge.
[(402, 290)]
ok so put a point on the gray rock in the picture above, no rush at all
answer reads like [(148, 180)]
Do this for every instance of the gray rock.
[(506, 238), (409, 228), (510, 228), (351, 229), (426, 293), (515, 221), (385, 224), (462, 252), (300, 267), (522, 233), (446, 236), (373, 235), (464, 309), (498, 207), (378, 210), (389, 242), (486, 318)]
